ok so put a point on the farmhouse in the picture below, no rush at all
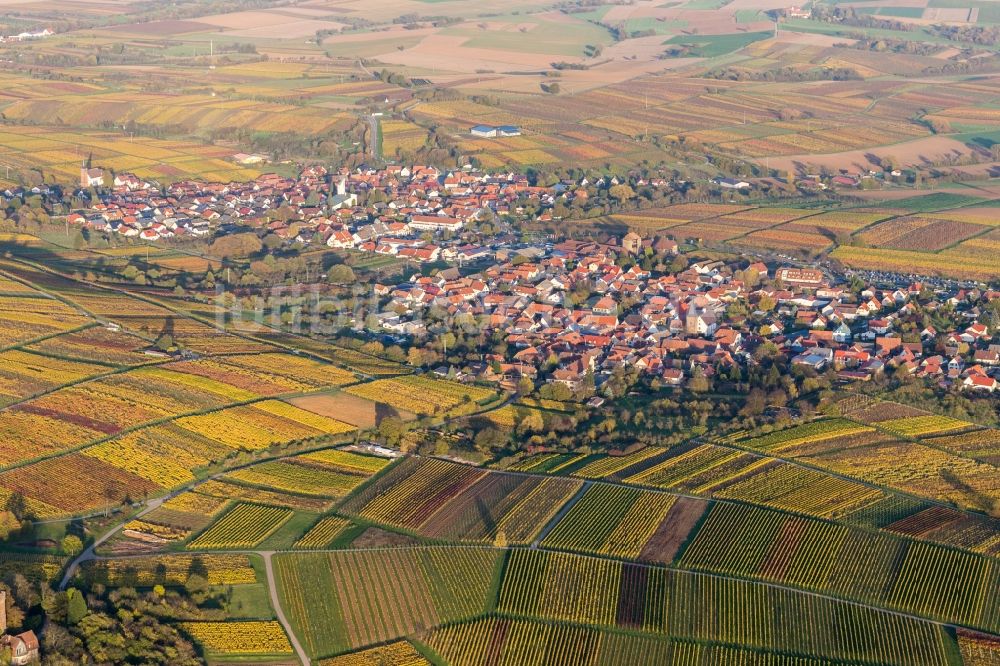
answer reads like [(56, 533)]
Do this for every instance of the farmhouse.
[(23, 648)]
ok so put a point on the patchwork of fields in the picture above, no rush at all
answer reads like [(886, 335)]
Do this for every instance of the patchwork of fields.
[(632, 558), (94, 414), (934, 234)]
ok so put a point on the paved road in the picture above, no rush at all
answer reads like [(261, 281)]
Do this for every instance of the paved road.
[(88, 553), (272, 588)]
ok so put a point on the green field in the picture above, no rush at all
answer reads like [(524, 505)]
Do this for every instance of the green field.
[(712, 46)]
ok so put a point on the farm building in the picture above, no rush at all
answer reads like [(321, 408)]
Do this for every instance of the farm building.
[(732, 183), (492, 132), (250, 158)]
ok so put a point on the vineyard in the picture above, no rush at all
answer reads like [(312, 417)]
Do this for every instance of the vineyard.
[(400, 137), (243, 526), (961, 264), (24, 374), (512, 642), (399, 653), (171, 570), (268, 374), (239, 638), (289, 476), (226, 490), (865, 448), (923, 425), (612, 521), (261, 425), (422, 395), (718, 471), (35, 568), (980, 444), (327, 473), (569, 588), (914, 469), (96, 345), (923, 579), (445, 500), (812, 437), (322, 534), (343, 600), (148, 460)]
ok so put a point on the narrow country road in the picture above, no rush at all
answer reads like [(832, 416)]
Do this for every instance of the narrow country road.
[(272, 589), (88, 552)]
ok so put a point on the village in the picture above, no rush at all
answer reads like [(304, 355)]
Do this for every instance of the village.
[(572, 310)]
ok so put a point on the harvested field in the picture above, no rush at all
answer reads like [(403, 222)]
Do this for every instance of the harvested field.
[(267, 23), (344, 407), (165, 28), (916, 152)]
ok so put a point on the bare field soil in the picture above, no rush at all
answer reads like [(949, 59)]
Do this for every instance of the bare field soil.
[(375, 537), (341, 406), (916, 152), (269, 23), (662, 547), (447, 52), (161, 28), (349, 408)]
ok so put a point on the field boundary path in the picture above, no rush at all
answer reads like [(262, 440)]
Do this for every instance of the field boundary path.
[(563, 510), (279, 612)]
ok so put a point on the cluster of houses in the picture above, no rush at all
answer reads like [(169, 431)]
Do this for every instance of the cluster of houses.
[(406, 207), (861, 338), (416, 212), (671, 325), (676, 326)]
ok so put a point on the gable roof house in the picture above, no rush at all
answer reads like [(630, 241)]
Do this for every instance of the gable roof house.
[(23, 648)]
